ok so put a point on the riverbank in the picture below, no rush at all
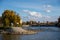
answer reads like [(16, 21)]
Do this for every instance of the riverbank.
[(47, 33), (18, 30)]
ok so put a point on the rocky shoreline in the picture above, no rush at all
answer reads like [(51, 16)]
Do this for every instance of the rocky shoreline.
[(18, 30)]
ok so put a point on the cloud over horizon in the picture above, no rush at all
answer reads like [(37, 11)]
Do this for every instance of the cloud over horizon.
[(36, 15), (33, 13)]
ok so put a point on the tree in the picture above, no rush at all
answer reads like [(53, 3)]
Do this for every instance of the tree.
[(58, 22), (9, 17)]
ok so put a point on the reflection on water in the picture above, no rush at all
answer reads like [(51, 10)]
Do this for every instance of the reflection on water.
[(44, 35), (11, 37)]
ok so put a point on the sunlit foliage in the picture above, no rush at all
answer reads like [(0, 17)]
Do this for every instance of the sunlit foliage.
[(10, 18)]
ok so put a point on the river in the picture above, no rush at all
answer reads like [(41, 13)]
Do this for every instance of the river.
[(46, 33)]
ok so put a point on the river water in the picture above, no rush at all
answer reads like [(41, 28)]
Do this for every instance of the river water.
[(46, 33)]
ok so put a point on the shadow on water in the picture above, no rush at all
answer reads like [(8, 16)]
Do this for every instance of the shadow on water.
[(11, 37)]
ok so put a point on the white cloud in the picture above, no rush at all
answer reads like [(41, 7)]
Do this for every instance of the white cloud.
[(48, 11), (47, 18), (33, 13), (47, 8), (26, 11), (37, 15)]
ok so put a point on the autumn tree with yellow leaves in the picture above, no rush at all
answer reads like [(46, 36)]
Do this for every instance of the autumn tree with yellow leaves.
[(10, 17)]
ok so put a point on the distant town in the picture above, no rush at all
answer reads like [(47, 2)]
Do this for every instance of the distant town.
[(47, 23)]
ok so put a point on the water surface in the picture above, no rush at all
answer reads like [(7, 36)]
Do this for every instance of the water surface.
[(47, 33)]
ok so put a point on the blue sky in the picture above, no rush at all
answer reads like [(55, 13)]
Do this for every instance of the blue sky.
[(38, 10)]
